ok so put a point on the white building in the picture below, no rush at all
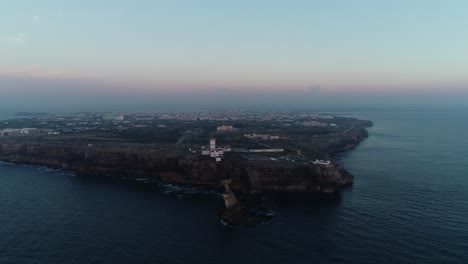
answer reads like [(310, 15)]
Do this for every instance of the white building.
[(314, 124), (321, 162), (212, 144), (224, 128), (266, 150), (262, 136), (119, 117), (9, 132), (5, 132)]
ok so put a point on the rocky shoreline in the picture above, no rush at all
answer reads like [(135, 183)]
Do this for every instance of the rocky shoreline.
[(247, 176)]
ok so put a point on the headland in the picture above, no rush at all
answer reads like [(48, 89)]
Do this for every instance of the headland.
[(244, 154)]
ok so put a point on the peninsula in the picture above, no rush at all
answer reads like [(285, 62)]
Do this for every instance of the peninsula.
[(243, 153)]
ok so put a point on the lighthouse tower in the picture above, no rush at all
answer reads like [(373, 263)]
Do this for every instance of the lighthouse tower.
[(213, 144)]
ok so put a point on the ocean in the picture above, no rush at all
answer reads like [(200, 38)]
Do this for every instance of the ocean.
[(409, 204)]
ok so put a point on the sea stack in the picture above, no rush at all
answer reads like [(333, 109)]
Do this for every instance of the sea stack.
[(230, 200)]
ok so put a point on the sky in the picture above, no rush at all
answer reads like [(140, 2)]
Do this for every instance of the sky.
[(237, 53)]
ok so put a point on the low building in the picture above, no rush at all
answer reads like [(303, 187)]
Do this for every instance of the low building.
[(108, 116), (262, 136), (266, 150), (5, 132), (321, 162), (119, 117), (224, 128), (314, 124)]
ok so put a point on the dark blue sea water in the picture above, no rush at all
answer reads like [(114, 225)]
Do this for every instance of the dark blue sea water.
[(409, 204)]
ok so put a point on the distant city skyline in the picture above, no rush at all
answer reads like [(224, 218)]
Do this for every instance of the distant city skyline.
[(136, 50)]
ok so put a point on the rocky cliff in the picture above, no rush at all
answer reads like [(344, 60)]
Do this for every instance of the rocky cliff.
[(246, 176)]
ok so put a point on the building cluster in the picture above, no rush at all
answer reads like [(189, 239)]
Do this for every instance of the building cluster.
[(9, 132), (92, 121), (79, 122), (218, 153), (113, 117), (241, 116), (54, 124), (262, 136)]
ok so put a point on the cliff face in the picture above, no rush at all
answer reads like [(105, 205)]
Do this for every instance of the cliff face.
[(246, 176)]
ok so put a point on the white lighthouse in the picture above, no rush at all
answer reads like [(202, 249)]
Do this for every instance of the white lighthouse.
[(212, 151), (213, 144)]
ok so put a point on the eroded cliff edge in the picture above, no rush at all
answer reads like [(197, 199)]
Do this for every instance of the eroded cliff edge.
[(247, 176)]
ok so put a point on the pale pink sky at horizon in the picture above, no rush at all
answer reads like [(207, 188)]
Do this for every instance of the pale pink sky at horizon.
[(233, 84)]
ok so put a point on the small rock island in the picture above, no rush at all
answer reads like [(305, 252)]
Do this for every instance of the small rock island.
[(239, 154)]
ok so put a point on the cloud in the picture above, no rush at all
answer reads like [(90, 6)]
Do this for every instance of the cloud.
[(36, 17), (314, 88), (17, 39)]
